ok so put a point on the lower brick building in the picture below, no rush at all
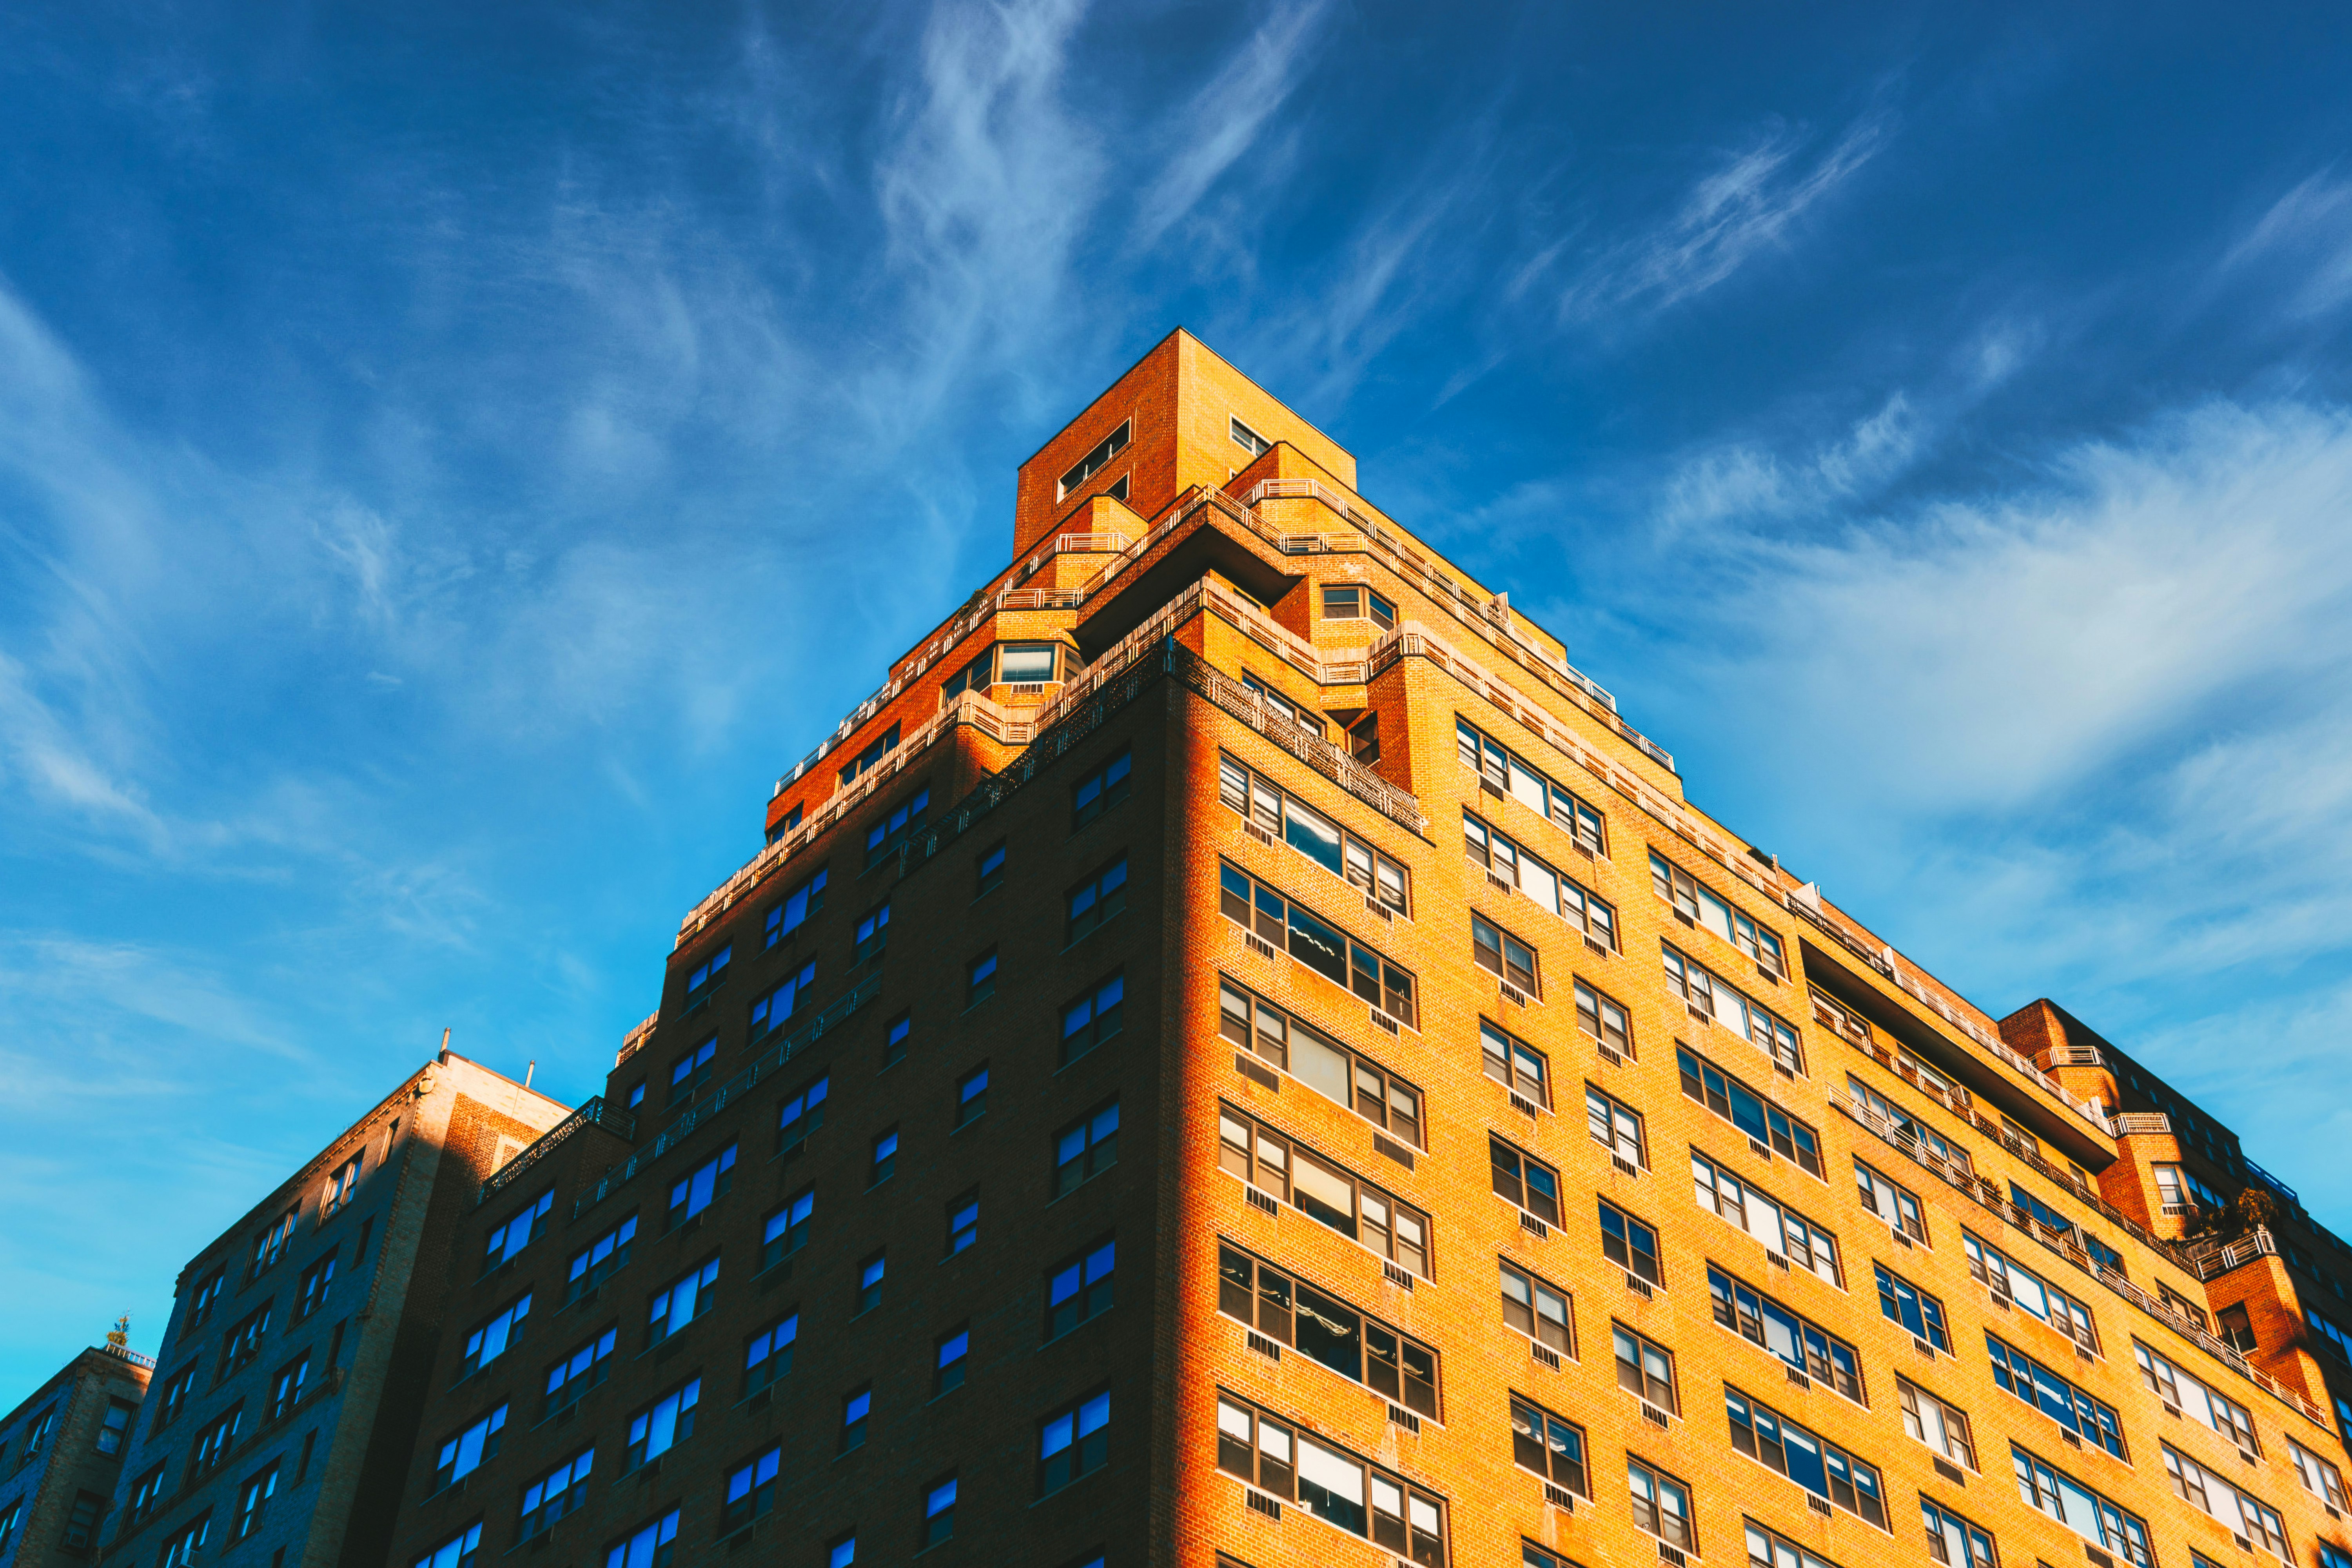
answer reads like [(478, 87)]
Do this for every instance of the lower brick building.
[(1237, 1053), (61, 1453), (290, 1380)]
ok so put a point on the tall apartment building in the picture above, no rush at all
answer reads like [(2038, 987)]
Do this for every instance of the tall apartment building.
[(1238, 1054), (291, 1377), (61, 1451)]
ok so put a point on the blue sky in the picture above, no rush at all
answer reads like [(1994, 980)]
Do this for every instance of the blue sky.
[(452, 458)]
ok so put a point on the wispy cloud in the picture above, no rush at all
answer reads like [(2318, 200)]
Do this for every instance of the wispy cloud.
[(1746, 205), (1223, 120), (2309, 231), (1748, 481)]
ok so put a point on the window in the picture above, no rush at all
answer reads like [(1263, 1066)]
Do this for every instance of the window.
[(180, 1549), (1516, 1065), (1334, 1486), (341, 1187), (803, 901), (2240, 1512), (1762, 1120), (1322, 1064), (855, 1406), (1094, 462), (1508, 773), (802, 1114), (272, 1242), (1324, 1192), (2319, 1477), (1290, 928), (1250, 440), (285, 1393), (1278, 705), (252, 1503), (172, 1397), (963, 1223), (938, 1511), (869, 759), (971, 1096), (507, 1240), (1073, 1443), (1802, 1345), (490, 1341), (842, 1552), (2102, 1255), (990, 869), (1079, 1289), (706, 976), (1615, 1126), (1537, 1310), (560, 1491), (788, 1229), (581, 1371), (1551, 1446), (680, 1302), (1555, 892), (2029, 1291), (1905, 1303), (1662, 1505), (1380, 877), (2077, 1507), (1699, 905), (213, 1443), (687, 1073), (88, 1508), (1719, 1002), (870, 1274), (1629, 1244), (1100, 790), (648, 1547), (1525, 1180), (980, 979), (594, 1263), (1098, 899), (2329, 1556), (774, 1010), (1898, 1127), (2181, 1191), (637, 1094), (1943, 1427), (894, 1039), (884, 1159), (1093, 1018), (750, 1491), (873, 935), (1814, 1463), (1502, 955), (1085, 1150), (116, 1426), (1356, 603), (791, 819), (310, 1291), (883, 838), (663, 1425), (1025, 663), (243, 1343), (1891, 1200), (1782, 1230), (145, 1493), (1646, 1369), (1603, 1020), (1358, 1347), (2237, 1330), (693, 1193), (1364, 739), (2087, 1419), (1953, 1541), (207, 1297), (2334, 1337), (768, 1355), (949, 1353), (463, 1452)]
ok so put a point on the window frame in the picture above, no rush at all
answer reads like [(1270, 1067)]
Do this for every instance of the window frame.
[(1093, 1135), (1097, 459), (1538, 1429), (1083, 1018), (1684, 1534), (1676, 888), (1107, 785), (1700, 989), (1628, 1257), (1717, 1188), (1288, 1153), (1761, 1416), (1510, 1063), (1513, 1174), (1269, 1299), (1741, 1309), (1781, 1129), (1339, 850), (1527, 975), (789, 914), (1646, 1382), (1934, 1325), (1082, 1276), (1272, 1045), (1913, 1400), (1591, 916), (1603, 1124), (1509, 772), (1538, 1287), (1089, 1456), (1403, 1539), (1105, 897), (1363, 971)]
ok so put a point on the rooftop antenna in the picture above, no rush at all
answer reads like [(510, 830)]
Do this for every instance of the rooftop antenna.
[(529, 1071), (445, 1042)]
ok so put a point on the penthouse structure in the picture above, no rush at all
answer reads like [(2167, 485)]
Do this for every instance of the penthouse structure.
[(291, 1377), (61, 1452), (1238, 1056)]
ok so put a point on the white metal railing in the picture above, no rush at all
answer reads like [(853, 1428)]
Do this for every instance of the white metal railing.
[(2132, 1123)]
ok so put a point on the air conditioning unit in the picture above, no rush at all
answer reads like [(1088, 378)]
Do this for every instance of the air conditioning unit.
[(1653, 1416), (1598, 949), (1760, 1151), (1610, 1054), (1258, 832), (1258, 944), (1545, 1353), (1265, 1346), (1512, 993), (1400, 1417), (1797, 1377), (1395, 1275), (1777, 1259), (1923, 1347), (1264, 1201), (1639, 1286), (1559, 1498), (1624, 1167), (1533, 1227), (1382, 1021), (1522, 1104)]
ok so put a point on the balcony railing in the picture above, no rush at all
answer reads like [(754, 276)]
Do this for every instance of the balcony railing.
[(126, 1354), (2070, 1057), (622, 1124), (2140, 1123)]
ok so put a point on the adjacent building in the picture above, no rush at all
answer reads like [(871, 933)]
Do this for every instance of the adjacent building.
[(290, 1378), (61, 1453), (1239, 1056)]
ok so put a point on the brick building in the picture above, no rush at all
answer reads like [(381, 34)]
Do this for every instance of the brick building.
[(289, 1380), (61, 1451), (1237, 1053)]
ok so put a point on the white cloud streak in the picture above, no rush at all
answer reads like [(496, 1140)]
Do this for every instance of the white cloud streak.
[(1224, 121), (2306, 231)]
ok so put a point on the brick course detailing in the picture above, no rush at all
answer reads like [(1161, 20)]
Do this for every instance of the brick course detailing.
[(995, 1232), (61, 1453)]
